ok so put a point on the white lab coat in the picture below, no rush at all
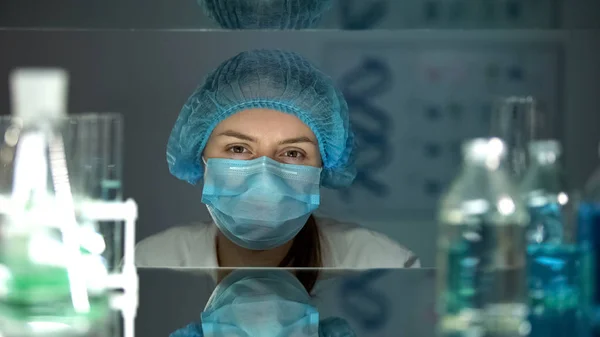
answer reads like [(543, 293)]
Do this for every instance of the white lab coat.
[(344, 245)]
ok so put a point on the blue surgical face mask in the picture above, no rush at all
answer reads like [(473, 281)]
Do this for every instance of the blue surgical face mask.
[(260, 204), (258, 304)]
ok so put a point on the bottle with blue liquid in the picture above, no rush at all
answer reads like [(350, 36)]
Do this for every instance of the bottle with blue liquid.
[(588, 237), (482, 289), (554, 259)]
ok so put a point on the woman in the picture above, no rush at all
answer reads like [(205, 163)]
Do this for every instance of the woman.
[(265, 131)]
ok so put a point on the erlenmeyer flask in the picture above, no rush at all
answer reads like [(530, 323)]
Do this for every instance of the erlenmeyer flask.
[(48, 280)]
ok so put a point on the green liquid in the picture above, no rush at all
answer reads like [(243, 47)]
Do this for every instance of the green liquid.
[(41, 293)]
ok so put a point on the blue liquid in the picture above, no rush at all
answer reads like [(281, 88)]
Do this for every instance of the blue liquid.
[(546, 224), (555, 277), (111, 231), (588, 236), (461, 279), (484, 271), (111, 190)]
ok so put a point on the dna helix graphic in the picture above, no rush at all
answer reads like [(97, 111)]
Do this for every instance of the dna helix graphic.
[(367, 306), (370, 14), (372, 125)]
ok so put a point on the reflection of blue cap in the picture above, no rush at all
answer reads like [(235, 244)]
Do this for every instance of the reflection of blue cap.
[(244, 285), (270, 79), (265, 14)]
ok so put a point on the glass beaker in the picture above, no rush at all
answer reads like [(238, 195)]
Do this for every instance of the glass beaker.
[(93, 147)]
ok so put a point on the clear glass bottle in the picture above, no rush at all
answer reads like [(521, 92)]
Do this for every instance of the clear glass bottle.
[(481, 267), (542, 189)]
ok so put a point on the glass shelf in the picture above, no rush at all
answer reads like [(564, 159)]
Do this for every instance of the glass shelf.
[(391, 299)]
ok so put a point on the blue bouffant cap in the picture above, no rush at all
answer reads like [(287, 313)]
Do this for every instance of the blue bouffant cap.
[(271, 79)]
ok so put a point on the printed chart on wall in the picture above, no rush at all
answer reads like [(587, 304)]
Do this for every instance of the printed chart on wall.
[(413, 104), (394, 14)]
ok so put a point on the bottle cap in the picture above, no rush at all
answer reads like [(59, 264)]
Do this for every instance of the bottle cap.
[(39, 94)]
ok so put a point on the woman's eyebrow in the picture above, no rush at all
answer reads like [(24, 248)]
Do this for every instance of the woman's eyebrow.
[(235, 134), (239, 135), (297, 140)]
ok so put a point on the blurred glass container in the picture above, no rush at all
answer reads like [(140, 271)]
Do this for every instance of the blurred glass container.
[(93, 146), (516, 121), (482, 287), (49, 286), (543, 190), (557, 275), (94, 151), (40, 291)]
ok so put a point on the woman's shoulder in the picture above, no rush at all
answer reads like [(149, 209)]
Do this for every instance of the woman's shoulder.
[(349, 245), (177, 247)]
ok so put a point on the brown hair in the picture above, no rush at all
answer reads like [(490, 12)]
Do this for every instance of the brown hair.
[(305, 253)]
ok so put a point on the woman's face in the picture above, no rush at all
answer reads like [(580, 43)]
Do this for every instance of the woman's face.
[(255, 133)]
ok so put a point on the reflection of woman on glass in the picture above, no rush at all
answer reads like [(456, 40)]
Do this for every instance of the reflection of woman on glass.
[(263, 303), (265, 131), (265, 14)]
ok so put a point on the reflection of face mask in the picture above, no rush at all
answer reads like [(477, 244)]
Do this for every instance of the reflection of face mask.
[(267, 317), (260, 204), (272, 304)]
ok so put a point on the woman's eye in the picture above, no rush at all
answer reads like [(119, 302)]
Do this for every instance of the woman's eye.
[(294, 154), (237, 149)]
